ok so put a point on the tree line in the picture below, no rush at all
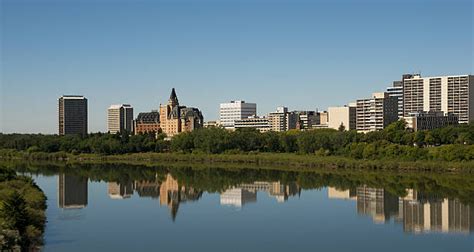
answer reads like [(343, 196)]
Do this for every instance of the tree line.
[(451, 143)]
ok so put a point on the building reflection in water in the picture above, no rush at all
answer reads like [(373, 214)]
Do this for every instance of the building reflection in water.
[(120, 190), (245, 193), (72, 191), (416, 212), (172, 194)]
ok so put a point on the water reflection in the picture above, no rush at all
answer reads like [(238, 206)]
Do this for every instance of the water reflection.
[(416, 212), (72, 191)]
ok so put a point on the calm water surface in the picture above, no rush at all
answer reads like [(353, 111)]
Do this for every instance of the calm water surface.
[(219, 210)]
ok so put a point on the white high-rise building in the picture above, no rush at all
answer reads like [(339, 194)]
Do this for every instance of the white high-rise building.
[(120, 118), (376, 113), (235, 110), (450, 94)]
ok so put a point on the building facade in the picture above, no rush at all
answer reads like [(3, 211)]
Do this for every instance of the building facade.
[(72, 113), (450, 94), (430, 120), (175, 119), (148, 122), (235, 110), (376, 113), (120, 118), (260, 123), (345, 116)]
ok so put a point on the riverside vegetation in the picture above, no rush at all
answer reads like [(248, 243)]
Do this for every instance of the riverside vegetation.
[(22, 212), (390, 147)]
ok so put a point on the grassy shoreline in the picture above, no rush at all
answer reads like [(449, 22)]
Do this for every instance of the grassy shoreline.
[(251, 160)]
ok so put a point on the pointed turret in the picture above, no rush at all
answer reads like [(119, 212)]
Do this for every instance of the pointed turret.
[(173, 98)]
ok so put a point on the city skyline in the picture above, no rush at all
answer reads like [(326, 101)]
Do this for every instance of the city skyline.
[(256, 52)]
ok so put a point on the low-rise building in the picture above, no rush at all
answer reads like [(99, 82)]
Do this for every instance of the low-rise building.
[(210, 124), (260, 123), (148, 122), (430, 120)]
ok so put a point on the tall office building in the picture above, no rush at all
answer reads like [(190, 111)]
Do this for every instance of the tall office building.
[(376, 113), (120, 118), (72, 111), (450, 94), (345, 116), (235, 110)]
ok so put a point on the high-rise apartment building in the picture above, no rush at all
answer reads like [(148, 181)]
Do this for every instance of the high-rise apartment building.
[(376, 113), (120, 118), (450, 94), (72, 112), (345, 116), (235, 110)]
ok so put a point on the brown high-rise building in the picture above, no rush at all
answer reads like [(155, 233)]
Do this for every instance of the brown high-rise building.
[(72, 115)]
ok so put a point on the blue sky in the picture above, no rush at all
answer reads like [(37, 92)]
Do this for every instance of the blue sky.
[(301, 54)]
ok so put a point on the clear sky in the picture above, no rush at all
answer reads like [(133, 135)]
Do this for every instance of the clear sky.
[(301, 54)]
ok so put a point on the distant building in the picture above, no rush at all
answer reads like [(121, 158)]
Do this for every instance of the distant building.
[(120, 118), (396, 90), (430, 120), (235, 110), (175, 119), (72, 191), (72, 112), (148, 122), (450, 94), (376, 113), (191, 118), (260, 123), (210, 124), (323, 118), (307, 120), (282, 120), (345, 116)]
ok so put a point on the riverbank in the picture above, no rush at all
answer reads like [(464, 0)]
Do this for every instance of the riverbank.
[(22, 212), (253, 160)]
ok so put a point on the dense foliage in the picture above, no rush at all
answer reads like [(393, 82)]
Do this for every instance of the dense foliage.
[(22, 217), (452, 143)]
